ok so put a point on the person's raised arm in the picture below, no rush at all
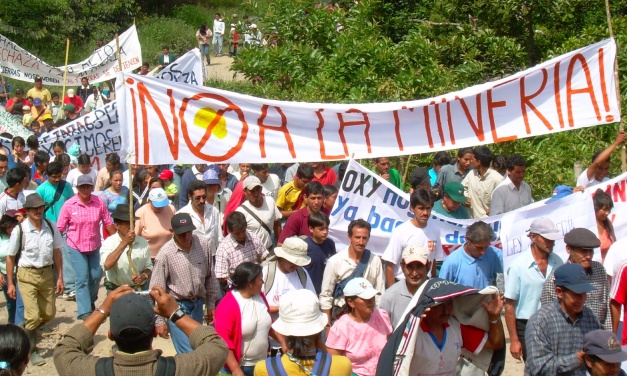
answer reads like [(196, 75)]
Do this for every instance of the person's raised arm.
[(605, 155)]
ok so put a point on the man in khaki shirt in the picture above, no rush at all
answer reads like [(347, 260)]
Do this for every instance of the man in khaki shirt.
[(480, 182)]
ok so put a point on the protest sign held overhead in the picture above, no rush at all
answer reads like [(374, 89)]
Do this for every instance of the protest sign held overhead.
[(101, 65), (199, 124)]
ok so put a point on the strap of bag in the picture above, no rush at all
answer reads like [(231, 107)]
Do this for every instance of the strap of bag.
[(257, 219), (275, 367), (272, 272), (57, 195), (302, 276), (20, 241), (357, 272), (322, 366), (166, 366)]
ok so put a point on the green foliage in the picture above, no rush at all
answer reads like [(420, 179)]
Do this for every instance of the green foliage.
[(156, 32), (194, 15)]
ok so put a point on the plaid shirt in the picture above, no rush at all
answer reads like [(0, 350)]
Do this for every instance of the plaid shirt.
[(554, 339), (597, 300), (186, 275), (81, 222), (230, 254)]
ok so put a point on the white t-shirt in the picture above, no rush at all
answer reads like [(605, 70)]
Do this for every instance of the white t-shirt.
[(256, 323), (583, 180), (73, 175), (407, 234), (268, 213), (271, 186)]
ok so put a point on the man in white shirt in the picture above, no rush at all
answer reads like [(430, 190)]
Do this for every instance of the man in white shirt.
[(218, 35), (262, 214), (269, 182), (205, 216), (512, 193), (598, 171)]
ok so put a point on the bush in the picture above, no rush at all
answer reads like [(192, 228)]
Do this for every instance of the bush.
[(156, 32)]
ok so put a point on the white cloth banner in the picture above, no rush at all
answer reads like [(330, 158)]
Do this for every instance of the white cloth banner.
[(200, 124), (365, 195), (98, 133), (102, 65)]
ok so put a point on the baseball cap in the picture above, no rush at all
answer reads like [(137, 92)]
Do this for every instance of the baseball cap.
[(560, 191), (69, 107), (545, 228), (132, 311), (158, 198), (419, 176), (70, 93), (360, 287), (210, 176), (38, 78), (25, 107), (582, 238), (573, 277), (46, 117), (84, 180), (37, 102), (415, 252), (455, 191), (182, 222), (253, 26), (33, 200), (605, 345), (251, 182), (166, 174)]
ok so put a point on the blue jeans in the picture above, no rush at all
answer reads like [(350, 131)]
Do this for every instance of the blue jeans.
[(179, 338), (10, 302), (68, 270), (217, 44), (248, 370), (19, 305), (204, 51), (88, 275)]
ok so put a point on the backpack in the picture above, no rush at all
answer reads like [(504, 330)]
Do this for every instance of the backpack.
[(358, 272), (321, 367), (166, 366), (272, 272)]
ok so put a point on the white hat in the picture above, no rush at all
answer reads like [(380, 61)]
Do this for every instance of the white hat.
[(251, 182), (293, 250), (253, 26), (158, 198), (545, 228), (360, 287), (415, 252), (70, 93), (299, 314)]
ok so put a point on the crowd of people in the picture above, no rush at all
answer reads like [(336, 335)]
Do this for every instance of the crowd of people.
[(244, 249)]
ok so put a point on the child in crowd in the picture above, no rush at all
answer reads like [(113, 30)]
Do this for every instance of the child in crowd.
[(319, 247), (330, 194), (170, 188)]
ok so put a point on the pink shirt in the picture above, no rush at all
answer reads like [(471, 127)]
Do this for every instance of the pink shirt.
[(81, 222), (154, 227), (363, 342)]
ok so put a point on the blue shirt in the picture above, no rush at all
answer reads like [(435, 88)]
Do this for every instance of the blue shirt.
[(524, 281), (460, 267), (319, 254)]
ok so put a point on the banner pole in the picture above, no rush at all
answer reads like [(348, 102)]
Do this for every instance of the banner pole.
[(67, 55), (406, 170), (621, 127), (117, 46)]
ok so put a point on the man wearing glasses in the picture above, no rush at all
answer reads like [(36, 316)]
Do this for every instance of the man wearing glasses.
[(204, 216)]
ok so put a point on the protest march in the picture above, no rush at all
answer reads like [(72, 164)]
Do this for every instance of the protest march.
[(265, 237)]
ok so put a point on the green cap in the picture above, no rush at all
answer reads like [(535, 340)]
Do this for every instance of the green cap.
[(455, 191)]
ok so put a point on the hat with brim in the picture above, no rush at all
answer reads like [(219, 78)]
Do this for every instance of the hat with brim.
[(559, 192), (545, 228), (293, 250), (455, 191), (573, 277), (360, 287), (33, 201), (182, 222), (300, 314), (158, 198), (122, 213), (605, 345)]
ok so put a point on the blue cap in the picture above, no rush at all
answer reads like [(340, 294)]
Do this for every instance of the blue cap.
[(560, 191), (573, 277), (211, 175)]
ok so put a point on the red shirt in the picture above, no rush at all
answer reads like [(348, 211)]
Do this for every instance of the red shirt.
[(619, 293), (76, 101), (23, 101), (328, 176)]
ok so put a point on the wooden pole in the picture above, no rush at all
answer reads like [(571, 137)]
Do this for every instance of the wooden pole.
[(67, 55), (621, 127), (406, 170)]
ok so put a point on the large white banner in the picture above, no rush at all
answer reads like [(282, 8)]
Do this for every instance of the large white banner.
[(98, 133), (102, 65), (365, 195), (166, 123)]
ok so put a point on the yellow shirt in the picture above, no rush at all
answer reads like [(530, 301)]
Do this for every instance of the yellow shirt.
[(340, 366), (43, 94), (287, 197)]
